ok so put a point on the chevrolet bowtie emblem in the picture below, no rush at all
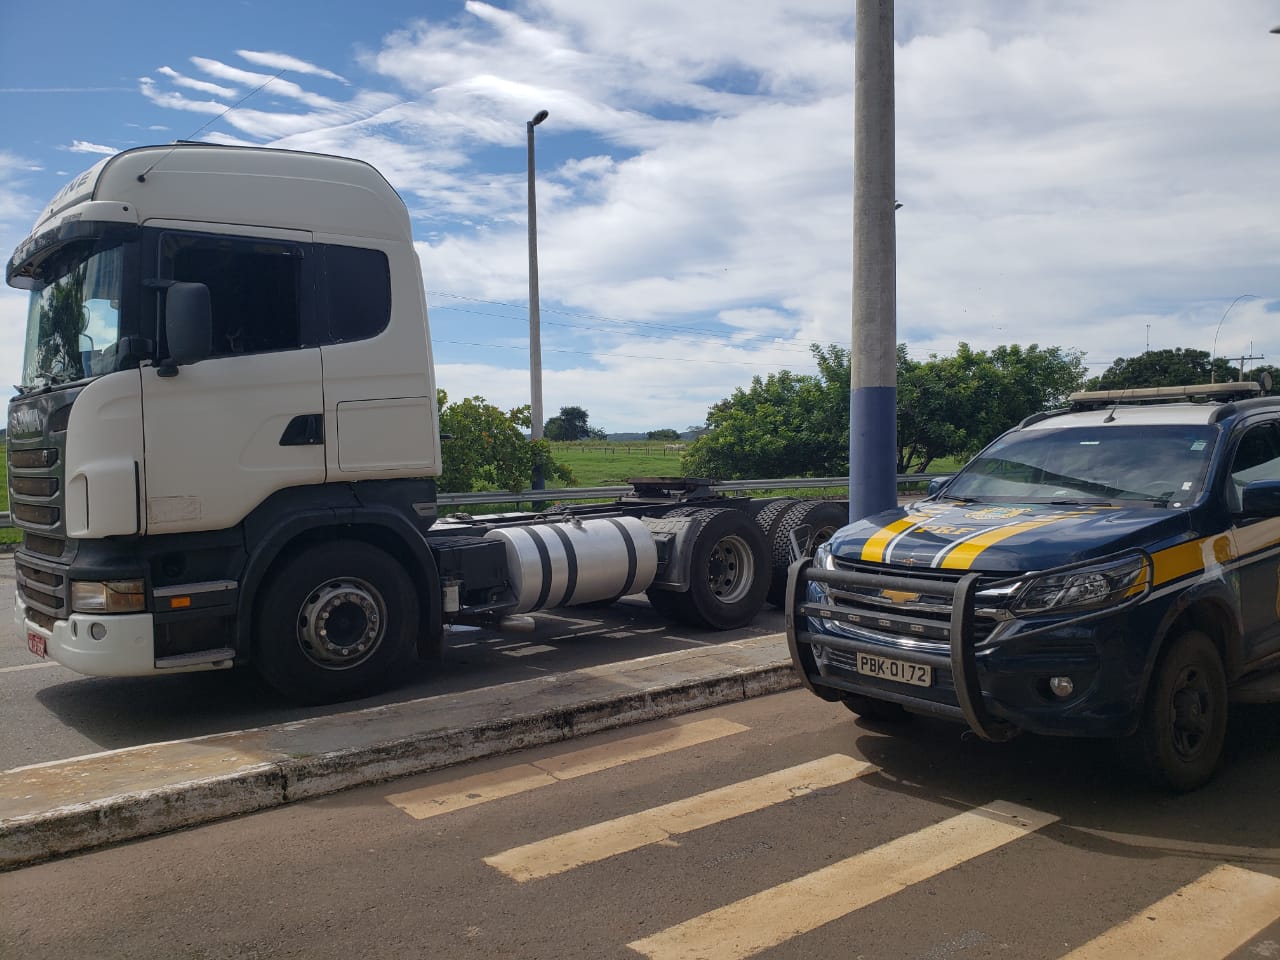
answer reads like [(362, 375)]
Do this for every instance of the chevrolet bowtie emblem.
[(899, 596)]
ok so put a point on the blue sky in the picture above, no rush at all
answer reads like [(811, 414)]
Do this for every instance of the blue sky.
[(1077, 173)]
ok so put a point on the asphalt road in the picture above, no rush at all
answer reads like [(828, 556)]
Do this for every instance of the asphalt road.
[(51, 713), (778, 827)]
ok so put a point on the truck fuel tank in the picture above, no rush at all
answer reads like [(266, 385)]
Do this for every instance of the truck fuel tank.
[(570, 561)]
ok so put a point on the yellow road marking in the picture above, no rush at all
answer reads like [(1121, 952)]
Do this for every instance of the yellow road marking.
[(600, 841), (1209, 918), (458, 794), (774, 916)]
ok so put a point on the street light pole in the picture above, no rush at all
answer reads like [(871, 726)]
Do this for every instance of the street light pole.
[(1213, 356), (535, 320)]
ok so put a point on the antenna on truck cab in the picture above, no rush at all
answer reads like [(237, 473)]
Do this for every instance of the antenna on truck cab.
[(142, 177)]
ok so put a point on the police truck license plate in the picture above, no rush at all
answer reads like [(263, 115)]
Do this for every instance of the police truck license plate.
[(899, 670), (36, 644)]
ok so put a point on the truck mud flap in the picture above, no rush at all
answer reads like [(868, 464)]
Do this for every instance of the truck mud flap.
[(958, 634)]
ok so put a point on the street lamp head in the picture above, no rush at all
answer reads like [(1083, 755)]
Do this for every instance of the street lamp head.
[(538, 118)]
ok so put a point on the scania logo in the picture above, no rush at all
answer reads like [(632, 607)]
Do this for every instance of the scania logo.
[(25, 422)]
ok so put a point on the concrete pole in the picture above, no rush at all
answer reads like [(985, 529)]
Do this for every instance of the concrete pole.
[(535, 319), (873, 351)]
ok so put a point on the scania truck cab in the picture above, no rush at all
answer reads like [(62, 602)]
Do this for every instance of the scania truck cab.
[(1108, 570), (225, 443)]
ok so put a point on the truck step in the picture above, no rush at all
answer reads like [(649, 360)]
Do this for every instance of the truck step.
[(198, 657)]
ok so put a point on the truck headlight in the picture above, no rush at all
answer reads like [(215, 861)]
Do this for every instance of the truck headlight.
[(110, 596), (1094, 586)]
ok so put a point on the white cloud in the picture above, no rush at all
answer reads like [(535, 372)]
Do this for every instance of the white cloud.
[(83, 146), (283, 61), (200, 86)]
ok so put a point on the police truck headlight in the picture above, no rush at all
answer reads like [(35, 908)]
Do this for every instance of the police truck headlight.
[(1096, 586), (822, 560), (110, 596)]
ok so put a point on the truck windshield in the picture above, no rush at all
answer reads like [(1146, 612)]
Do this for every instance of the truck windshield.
[(73, 320), (1158, 464)]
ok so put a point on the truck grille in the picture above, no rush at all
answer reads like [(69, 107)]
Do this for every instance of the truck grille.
[(43, 589)]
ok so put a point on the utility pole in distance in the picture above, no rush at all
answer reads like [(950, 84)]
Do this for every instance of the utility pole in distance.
[(873, 354)]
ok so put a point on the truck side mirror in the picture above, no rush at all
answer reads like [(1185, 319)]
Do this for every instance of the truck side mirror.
[(188, 325), (938, 484)]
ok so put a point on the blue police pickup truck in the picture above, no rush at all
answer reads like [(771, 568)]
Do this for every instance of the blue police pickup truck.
[(1107, 570)]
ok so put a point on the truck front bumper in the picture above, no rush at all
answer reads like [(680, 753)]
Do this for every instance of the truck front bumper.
[(119, 645)]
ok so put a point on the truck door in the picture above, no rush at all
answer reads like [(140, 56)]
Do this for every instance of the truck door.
[(1257, 541), (225, 433)]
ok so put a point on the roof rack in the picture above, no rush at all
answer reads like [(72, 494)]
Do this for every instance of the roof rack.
[(1195, 393)]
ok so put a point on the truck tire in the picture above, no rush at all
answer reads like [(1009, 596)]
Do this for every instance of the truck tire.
[(334, 622), (1184, 720), (822, 518), (728, 574)]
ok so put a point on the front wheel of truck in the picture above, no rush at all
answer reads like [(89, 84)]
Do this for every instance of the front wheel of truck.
[(1184, 720), (334, 622)]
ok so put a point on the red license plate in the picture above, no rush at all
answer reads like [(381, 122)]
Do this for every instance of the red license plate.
[(37, 645)]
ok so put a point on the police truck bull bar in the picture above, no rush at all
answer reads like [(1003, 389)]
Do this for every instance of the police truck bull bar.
[(956, 632)]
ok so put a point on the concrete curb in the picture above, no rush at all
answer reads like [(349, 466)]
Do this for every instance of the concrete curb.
[(67, 806)]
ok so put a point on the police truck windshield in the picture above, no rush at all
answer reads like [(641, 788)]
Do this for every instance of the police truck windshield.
[(1158, 464)]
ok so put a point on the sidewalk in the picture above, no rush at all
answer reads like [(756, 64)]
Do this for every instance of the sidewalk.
[(70, 805)]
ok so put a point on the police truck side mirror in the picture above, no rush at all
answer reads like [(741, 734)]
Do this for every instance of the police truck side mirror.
[(188, 326), (1260, 498), (938, 484)]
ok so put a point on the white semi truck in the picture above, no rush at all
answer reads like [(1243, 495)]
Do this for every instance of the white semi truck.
[(224, 445)]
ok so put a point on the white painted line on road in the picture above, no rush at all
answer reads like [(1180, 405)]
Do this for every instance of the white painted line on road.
[(30, 666), (458, 794), (1210, 918), (774, 916), (600, 841)]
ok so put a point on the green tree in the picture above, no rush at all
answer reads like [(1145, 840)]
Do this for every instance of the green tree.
[(953, 406), (790, 425), (783, 425), (1163, 368), (664, 434), (571, 424), (487, 449)]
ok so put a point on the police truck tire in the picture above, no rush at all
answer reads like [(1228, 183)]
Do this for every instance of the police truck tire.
[(728, 574), (335, 622), (822, 518), (1184, 720)]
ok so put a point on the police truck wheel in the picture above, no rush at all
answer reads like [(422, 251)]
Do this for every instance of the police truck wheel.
[(816, 520), (1184, 720), (335, 622)]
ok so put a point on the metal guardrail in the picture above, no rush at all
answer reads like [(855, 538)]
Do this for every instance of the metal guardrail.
[(604, 493)]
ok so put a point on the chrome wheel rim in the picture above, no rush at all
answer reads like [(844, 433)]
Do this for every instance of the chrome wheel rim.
[(341, 623)]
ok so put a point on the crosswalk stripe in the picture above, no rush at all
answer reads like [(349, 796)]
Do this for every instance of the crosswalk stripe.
[(458, 794), (1206, 919), (602, 840), (774, 916)]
